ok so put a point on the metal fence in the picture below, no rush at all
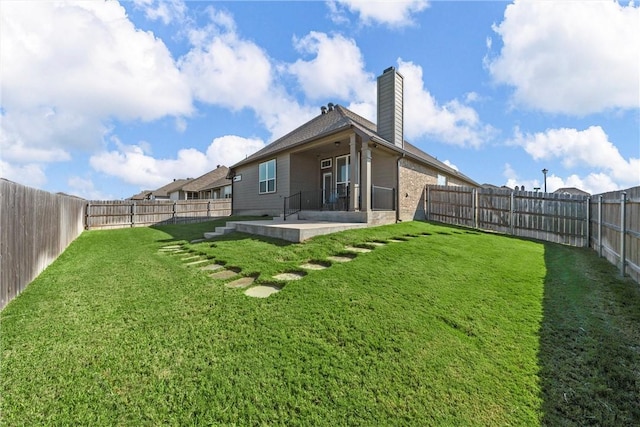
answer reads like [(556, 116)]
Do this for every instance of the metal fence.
[(127, 213), (35, 227), (608, 223)]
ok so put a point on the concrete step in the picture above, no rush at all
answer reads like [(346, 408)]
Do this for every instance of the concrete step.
[(220, 231)]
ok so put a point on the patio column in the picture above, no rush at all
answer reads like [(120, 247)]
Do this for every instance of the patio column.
[(353, 181), (365, 177)]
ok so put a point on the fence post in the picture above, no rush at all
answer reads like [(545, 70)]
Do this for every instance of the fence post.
[(173, 213), (588, 230), (86, 216), (474, 206), (511, 213), (133, 213), (428, 203), (623, 231), (600, 226)]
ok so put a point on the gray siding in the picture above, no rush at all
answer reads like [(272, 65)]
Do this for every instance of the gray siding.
[(246, 197), (383, 169), (390, 107), (305, 172)]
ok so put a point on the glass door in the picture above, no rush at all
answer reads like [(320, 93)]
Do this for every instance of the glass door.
[(327, 180), (342, 175)]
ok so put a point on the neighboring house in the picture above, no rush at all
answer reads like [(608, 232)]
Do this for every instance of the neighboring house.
[(344, 167), (571, 191), (143, 195), (171, 191), (211, 185)]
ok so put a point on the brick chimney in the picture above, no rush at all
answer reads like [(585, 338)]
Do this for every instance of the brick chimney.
[(390, 107)]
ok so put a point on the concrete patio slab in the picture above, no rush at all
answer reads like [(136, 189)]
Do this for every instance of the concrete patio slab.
[(294, 230)]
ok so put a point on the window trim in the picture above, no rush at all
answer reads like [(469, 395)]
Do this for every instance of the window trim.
[(325, 163), (267, 178)]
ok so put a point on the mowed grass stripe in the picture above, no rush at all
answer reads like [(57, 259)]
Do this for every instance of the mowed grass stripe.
[(441, 329)]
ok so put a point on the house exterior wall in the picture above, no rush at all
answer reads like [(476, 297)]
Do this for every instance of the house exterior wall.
[(246, 197), (305, 172), (383, 169), (413, 179)]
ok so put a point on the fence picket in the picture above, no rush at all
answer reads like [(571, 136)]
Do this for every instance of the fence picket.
[(611, 226)]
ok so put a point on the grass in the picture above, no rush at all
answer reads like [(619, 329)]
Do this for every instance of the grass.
[(450, 327)]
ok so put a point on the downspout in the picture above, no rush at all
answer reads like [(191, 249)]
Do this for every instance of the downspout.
[(400, 157)]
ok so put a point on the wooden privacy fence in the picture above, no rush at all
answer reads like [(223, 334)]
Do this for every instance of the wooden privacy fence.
[(608, 223), (35, 227), (615, 229), (127, 213)]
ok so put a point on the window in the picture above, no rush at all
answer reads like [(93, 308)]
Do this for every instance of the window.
[(227, 191), (267, 177), (442, 180), (326, 163)]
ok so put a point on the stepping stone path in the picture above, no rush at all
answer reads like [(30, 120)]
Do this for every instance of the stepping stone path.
[(242, 282), (338, 258), (211, 267), (261, 291), (264, 291), (200, 261), (313, 266), (224, 274), (356, 249), (289, 276)]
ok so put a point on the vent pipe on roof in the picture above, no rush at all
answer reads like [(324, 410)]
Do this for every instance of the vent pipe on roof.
[(391, 107), (330, 105), (323, 110)]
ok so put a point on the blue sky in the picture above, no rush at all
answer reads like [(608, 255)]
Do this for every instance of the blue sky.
[(104, 99)]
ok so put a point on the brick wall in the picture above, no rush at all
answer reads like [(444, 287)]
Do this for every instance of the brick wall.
[(413, 179)]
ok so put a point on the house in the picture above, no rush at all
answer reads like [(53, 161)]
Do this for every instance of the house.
[(340, 166), (171, 191), (211, 185), (143, 195), (571, 191)]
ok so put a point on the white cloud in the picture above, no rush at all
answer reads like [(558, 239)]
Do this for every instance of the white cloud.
[(570, 57), (587, 148), (225, 70), (68, 69), (83, 187), (393, 13), (167, 11), (453, 123), (337, 69), (30, 174), (451, 165), (134, 165)]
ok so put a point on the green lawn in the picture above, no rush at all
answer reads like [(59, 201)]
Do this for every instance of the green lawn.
[(449, 327)]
